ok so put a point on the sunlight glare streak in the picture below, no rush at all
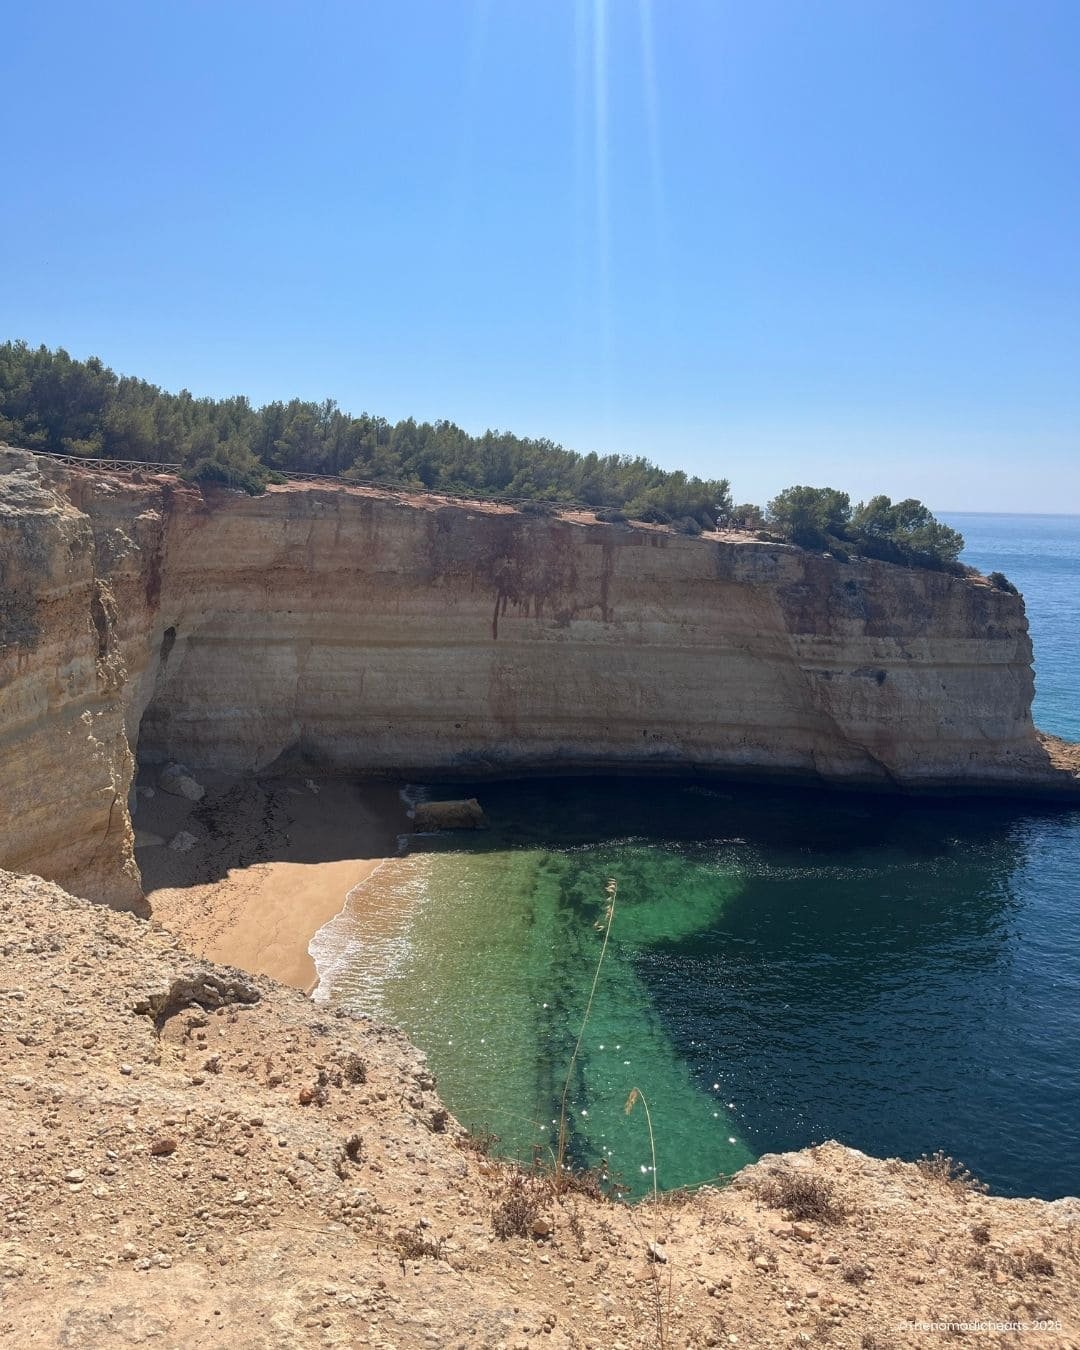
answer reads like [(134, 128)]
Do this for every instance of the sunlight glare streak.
[(603, 221), (652, 119), (462, 184), (581, 209)]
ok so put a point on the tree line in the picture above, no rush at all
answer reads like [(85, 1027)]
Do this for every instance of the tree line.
[(51, 401)]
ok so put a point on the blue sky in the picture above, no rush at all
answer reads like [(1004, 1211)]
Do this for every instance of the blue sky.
[(814, 241)]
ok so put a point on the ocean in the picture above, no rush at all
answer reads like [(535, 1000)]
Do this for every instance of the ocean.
[(784, 966), (1041, 556)]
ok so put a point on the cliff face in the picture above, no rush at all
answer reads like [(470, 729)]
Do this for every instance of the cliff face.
[(75, 616), (377, 633)]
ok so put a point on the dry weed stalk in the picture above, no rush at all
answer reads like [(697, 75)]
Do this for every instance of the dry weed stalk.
[(636, 1095), (612, 890), (655, 1252)]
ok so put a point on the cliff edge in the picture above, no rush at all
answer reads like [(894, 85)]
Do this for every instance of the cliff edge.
[(375, 632), (193, 1156)]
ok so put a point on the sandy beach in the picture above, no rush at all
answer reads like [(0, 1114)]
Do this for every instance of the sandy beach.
[(272, 862)]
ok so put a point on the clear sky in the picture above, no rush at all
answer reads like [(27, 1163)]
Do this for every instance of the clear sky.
[(823, 241)]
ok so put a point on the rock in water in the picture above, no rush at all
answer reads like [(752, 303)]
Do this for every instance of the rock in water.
[(466, 814), (175, 779)]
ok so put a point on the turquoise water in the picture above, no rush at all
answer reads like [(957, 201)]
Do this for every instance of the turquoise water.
[(784, 966)]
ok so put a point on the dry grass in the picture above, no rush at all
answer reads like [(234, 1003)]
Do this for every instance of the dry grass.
[(1030, 1262), (355, 1070), (520, 1205), (414, 1244), (478, 1141), (805, 1196), (948, 1172)]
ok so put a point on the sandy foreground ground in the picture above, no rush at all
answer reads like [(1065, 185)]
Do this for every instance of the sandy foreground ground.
[(194, 1158), (272, 861)]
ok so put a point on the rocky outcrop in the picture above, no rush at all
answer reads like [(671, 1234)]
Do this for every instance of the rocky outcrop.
[(382, 633), (74, 605), (196, 1157), (460, 815)]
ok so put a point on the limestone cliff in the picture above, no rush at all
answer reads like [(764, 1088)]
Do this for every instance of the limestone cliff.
[(379, 632)]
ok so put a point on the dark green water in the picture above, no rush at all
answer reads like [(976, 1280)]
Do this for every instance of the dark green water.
[(784, 967)]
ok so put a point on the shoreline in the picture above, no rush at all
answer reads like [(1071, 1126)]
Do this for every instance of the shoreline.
[(269, 863)]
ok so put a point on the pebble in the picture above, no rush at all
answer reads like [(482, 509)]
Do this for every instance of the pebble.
[(74, 1175)]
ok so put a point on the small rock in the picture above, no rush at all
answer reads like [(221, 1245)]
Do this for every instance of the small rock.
[(183, 842), (541, 1228), (163, 1145), (74, 1175), (126, 1070), (657, 1254), (175, 780), (761, 1262), (805, 1232)]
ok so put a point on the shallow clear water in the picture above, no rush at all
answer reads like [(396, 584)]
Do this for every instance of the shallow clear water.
[(784, 966)]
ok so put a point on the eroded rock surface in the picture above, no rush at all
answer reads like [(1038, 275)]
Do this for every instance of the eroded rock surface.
[(192, 1156), (376, 632)]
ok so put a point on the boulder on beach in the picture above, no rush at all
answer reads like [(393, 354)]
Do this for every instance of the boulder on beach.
[(175, 779), (466, 814)]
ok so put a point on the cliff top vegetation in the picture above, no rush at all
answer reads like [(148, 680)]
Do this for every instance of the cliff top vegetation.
[(51, 401)]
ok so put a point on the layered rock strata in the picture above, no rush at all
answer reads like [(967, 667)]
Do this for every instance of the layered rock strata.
[(375, 632)]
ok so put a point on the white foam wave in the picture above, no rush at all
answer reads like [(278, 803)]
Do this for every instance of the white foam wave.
[(364, 946), (412, 794)]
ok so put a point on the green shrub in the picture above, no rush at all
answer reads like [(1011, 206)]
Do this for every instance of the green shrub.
[(208, 470)]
